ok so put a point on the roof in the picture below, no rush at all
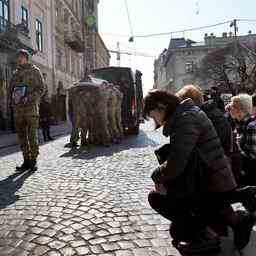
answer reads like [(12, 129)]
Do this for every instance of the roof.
[(177, 42)]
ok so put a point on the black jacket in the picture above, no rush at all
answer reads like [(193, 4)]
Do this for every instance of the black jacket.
[(189, 128), (220, 123)]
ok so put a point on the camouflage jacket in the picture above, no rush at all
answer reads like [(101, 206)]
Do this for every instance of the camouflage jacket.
[(29, 77)]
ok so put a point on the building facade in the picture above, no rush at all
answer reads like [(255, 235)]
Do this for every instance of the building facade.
[(176, 66), (62, 37)]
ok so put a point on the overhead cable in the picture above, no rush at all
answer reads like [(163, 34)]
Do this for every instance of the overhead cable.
[(173, 32), (128, 15)]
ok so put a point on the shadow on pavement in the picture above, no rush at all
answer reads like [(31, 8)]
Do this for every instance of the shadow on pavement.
[(128, 142), (9, 150), (227, 248), (9, 186)]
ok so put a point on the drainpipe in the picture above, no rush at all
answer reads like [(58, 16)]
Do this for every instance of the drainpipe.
[(84, 38), (53, 28)]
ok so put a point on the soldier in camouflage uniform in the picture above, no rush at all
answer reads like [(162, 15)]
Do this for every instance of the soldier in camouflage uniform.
[(100, 128), (118, 110), (74, 137), (26, 89), (113, 111)]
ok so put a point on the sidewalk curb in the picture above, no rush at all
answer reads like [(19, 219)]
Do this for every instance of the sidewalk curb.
[(56, 135)]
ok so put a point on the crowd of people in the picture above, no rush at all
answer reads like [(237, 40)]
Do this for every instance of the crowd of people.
[(208, 165)]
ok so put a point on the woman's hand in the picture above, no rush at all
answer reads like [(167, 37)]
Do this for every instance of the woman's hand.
[(159, 188)]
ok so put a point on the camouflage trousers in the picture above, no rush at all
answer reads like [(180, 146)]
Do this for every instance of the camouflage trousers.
[(27, 132)]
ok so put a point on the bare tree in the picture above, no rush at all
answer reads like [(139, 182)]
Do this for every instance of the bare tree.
[(232, 67)]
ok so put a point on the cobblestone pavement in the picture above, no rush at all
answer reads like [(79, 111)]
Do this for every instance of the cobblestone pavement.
[(83, 202)]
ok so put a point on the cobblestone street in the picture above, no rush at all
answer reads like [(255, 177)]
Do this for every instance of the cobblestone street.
[(83, 202)]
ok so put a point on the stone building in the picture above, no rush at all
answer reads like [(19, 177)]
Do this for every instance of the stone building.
[(62, 43), (176, 65)]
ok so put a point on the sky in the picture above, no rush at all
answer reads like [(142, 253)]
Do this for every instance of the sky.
[(162, 16)]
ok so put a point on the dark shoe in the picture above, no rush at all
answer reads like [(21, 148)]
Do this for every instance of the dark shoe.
[(249, 195), (205, 242), (242, 231), (33, 165), (71, 145), (24, 167), (50, 138)]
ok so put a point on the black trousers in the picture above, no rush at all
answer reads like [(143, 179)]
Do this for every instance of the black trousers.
[(46, 131), (192, 214)]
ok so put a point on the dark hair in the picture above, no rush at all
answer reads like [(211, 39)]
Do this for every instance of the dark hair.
[(160, 100), (254, 100)]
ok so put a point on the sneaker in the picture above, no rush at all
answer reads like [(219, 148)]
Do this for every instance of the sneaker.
[(204, 243), (24, 167), (242, 231)]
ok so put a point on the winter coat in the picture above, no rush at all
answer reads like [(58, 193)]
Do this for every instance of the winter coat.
[(45, 112), (190, 129), (28, 76), (220, 123)]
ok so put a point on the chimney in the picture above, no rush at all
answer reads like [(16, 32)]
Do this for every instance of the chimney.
[(224, 34)]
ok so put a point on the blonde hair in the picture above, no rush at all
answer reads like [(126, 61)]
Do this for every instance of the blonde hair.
[(243, 102), (191, 91)]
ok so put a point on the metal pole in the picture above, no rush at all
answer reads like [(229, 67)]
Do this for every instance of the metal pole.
[(84, 38)]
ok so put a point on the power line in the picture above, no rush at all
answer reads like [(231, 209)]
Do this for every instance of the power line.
[(173, 32), (247, 20), (185, 30), (128, 15), (132, 53)]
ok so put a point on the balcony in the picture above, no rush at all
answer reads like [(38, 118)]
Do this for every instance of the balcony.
[(13, 37), (74, 40)]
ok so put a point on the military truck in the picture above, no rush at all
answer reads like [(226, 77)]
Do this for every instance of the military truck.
[(130, 84)]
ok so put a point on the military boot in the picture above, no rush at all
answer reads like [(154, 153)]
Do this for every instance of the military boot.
[(24, 167), (33, 165)]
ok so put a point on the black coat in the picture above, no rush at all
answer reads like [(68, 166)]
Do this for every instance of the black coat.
[(45, 112), (189, 128), (220, 123)]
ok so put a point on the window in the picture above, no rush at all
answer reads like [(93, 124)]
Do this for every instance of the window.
[(59, 56), (4, 14), (189, 66), (24, 16), (39, 35)]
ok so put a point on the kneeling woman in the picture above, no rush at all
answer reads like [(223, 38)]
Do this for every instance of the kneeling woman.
[(190, 184)]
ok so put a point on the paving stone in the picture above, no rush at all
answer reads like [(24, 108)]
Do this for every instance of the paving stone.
[(97, 241), (40, 250), (77, 243), (83, 250), (114, 231), (123, 253), (43, 240), (142, 242), (126, 244), (96, 249), (57, 245), (68, 251), (67, 238), (102, 233), (110, 247), (53, 253)]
